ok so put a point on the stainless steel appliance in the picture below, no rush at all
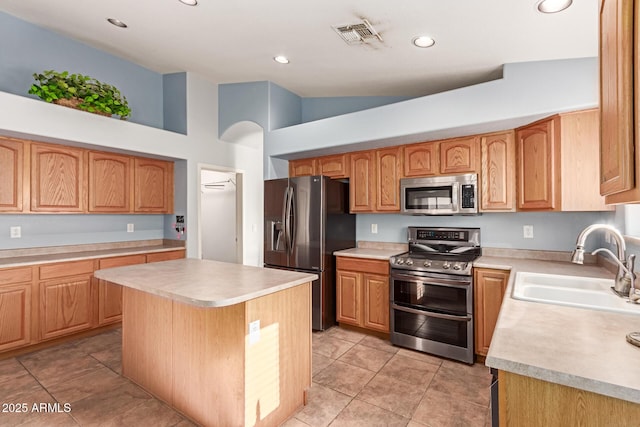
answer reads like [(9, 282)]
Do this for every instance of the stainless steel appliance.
[(432, 292), (440, 195), (306, 219)]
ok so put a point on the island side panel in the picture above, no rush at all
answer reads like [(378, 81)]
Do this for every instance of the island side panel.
[(278, 361), (208, 363), (526, 401), (147, 342)]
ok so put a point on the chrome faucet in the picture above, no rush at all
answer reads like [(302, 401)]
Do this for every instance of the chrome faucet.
[(624, 283)]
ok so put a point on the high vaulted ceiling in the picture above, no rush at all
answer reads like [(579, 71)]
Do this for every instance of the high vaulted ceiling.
[(228, 41)]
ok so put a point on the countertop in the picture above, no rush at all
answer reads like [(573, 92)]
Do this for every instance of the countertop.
[(204, 283), (580, 348), (381, 254), (25, 260)]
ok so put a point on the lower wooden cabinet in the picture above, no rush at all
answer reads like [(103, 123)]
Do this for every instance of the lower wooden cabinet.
[(48, 301), (109, 294), (489, 286), (15, 307), (362, 293)]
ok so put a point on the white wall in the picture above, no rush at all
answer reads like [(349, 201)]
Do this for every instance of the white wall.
[(26, 117), (218, 216)]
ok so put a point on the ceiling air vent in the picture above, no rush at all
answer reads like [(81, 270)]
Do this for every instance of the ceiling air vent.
[(358, 33)]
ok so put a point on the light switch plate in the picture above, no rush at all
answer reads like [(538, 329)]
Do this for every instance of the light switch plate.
[(527, 231), (130, 228), (374, 228)]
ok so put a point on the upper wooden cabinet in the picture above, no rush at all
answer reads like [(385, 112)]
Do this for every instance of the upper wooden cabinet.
[(109, 182), (362, 185), (153, 185), (619, 117), (12, 175), (616, 96), (556, 160), (388, 171), (420, 159), (58, 178), (460, 155), (336, 166), (498, 172), (302, 167)]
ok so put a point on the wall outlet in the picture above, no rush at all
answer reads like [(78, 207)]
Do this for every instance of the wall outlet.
[(374, 228), (254, 332), (527, 231), (15, 232), (130, 228)]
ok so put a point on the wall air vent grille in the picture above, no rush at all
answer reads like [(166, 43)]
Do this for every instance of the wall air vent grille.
[(361, 32)]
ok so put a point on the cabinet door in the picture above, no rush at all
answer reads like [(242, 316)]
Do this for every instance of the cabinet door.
[(362, 183), (153, 185), (459, 155), (109, 294), (388, 170), (165, 256), (109, 182), (498, 172), (537, 171), (65, 306), (58, 179), (15, 307), (616, 96), (376, 302), (349, 297), (489, 289), (302, 167), (334, 166), (12, 169), (420, 159)]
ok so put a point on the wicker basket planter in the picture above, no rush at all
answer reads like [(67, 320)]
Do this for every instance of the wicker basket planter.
[(74, 103)]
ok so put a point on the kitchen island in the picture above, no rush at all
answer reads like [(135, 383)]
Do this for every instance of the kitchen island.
[(225, 344), (561, 365)]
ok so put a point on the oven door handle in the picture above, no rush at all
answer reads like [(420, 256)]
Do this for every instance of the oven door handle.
[(432, 280), (432, 314)]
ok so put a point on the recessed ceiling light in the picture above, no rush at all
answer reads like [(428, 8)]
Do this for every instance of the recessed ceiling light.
[(281, 59), (423, 41), (553, 6), (117, 22), (189, 2)]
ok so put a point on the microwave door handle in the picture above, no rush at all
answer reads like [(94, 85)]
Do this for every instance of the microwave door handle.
[(455, 193), (432, 314)]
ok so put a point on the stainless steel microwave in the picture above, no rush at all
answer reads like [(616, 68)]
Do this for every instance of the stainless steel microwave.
[(440, 195)]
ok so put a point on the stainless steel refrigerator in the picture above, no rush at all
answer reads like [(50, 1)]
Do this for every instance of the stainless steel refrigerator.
[(306, 219)]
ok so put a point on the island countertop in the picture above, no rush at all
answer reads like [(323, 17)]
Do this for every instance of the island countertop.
[(204, 283)]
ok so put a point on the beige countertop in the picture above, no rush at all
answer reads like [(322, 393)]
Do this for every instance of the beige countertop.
[(580, 348), (204, 283), (372, 253), (22, 260)]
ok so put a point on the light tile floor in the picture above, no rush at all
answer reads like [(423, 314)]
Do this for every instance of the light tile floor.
[(358, 380)]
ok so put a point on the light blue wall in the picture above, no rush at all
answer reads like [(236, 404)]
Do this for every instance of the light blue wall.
[(321, 108), (59, 230), (238, 102), (174, 99), (26, 49), (284, 107), (552, 231)]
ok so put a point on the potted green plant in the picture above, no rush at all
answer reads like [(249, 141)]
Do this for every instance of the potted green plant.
[(81, 92)]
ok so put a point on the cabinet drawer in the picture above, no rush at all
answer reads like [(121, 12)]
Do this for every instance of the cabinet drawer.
[(16, 275), (365, 265), (121, 261), (64, 269), (165, 256)]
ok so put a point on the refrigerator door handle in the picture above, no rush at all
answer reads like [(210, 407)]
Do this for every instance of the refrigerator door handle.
[(292, 218), (285, 204)]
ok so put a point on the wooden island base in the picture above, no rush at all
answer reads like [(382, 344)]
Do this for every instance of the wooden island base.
[(205, 364)]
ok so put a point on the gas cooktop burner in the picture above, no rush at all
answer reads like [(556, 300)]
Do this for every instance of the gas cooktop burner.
[(440, 250)]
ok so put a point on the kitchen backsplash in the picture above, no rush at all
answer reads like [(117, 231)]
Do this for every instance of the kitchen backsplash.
[(552, 231)]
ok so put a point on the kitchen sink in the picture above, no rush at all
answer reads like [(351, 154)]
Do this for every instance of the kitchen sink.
[(574, 291)]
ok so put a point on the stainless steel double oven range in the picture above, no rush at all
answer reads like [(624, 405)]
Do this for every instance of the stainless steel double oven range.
[(432, 292)]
